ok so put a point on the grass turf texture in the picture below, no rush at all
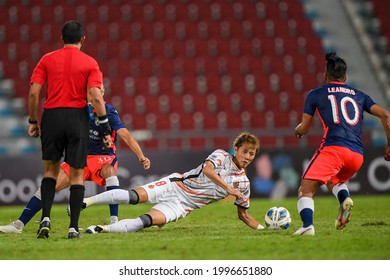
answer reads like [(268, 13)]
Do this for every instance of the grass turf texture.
[(211, 233)]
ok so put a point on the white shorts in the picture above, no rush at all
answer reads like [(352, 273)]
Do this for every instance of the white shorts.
[(162, 194)]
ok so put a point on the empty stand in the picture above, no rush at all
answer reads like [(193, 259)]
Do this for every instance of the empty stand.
[(186, 65)]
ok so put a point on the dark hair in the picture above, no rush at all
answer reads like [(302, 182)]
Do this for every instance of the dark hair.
[(72, 32), (336, 68)]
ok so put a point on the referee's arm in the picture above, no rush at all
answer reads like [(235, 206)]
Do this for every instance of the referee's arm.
[(96, 98), (33, 101)]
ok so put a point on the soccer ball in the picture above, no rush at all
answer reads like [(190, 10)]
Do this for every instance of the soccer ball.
[(277, 218)]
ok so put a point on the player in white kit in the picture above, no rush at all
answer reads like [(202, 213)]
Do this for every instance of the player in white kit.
[(177, 195)]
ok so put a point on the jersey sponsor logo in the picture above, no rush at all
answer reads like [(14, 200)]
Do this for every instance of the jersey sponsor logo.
[(214, 157), (93, 134), (236, 184)]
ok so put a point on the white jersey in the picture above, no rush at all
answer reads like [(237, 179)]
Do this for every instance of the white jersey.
[(196, 190)]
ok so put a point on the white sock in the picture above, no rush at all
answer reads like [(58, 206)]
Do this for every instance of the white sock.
[(127, 225), (306, 210), (112, 181), (305, 202), (38, 194), (109, 197)]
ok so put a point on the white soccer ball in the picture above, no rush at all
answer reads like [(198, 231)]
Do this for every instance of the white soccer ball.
[(277, 218)]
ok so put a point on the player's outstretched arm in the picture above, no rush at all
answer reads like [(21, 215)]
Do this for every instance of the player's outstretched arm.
[(304, 127), (128, 138), (248, 219)]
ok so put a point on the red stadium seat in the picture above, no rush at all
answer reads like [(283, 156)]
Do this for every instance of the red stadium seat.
[(208, 65)]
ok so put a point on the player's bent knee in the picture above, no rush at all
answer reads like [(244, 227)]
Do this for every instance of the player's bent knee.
[(107, 171)]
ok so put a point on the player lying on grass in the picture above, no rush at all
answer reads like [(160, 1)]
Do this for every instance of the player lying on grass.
[(177, 195), (101, 167)]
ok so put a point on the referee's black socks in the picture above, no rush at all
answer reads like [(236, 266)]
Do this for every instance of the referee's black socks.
[(48, 190), (75, 202)]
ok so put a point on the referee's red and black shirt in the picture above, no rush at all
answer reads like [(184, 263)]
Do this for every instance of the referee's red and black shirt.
[(68, 72)]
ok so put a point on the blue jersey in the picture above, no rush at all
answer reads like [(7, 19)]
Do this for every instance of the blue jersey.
[(95, 132), (340, 108)]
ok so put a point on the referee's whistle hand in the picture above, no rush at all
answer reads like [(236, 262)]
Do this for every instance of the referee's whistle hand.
[(33, 131)]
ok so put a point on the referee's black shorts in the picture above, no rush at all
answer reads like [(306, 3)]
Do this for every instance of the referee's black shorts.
[(65, 131)]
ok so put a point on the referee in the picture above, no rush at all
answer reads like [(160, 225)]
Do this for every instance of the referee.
[(71, 76)]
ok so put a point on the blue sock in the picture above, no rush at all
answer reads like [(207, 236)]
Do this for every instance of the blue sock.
[(32, 207), (114, 208), (306, 217), (342, 195)]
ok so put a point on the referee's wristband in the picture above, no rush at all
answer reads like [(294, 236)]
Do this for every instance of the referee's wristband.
[(32, 122)]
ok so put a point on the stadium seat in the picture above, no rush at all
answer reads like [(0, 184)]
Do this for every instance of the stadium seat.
[(210, 65), (291, 141), (222, 143), (268, 141)]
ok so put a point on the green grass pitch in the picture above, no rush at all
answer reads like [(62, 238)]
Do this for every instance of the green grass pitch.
[(210, 233)]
